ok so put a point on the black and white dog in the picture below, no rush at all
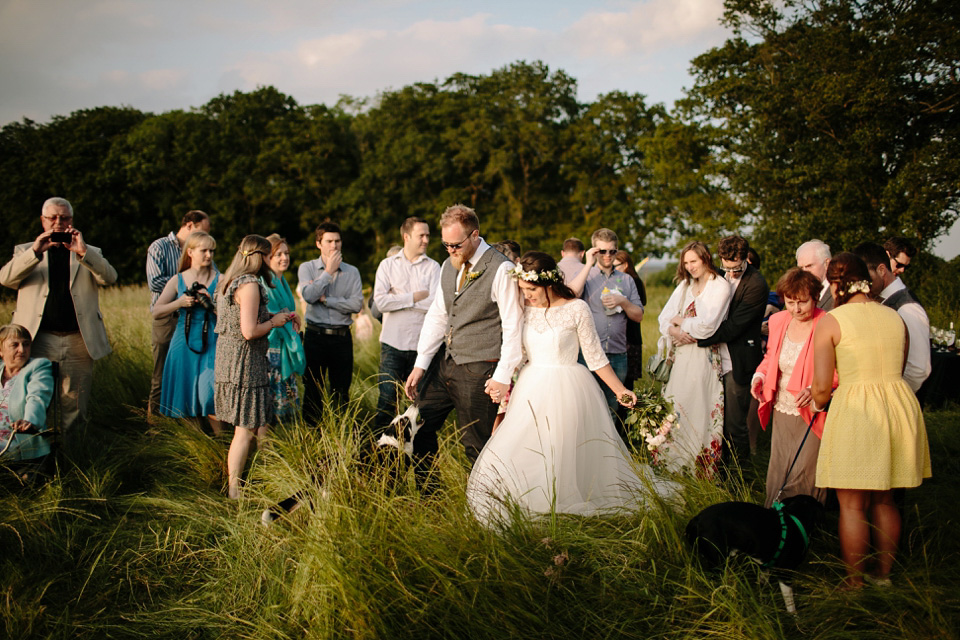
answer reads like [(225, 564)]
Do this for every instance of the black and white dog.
[(398, 437), (777, 538)]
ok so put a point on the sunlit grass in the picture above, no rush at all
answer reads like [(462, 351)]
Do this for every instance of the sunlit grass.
[(134, 538)]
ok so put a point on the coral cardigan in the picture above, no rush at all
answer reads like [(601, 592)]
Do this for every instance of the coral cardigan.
[(802, 373)]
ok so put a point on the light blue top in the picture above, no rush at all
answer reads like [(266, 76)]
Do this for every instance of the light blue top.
[(30, 393)]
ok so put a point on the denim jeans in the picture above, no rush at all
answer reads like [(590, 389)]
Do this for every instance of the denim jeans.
[(395, 367), (619, 363)]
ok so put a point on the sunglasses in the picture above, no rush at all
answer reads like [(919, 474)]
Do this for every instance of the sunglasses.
[(899, 265), (607, 252), (737, 269), (453, 246)]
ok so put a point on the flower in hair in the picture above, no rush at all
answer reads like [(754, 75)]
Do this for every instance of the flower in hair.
[(251, 251), (861, 286), (541, 277)]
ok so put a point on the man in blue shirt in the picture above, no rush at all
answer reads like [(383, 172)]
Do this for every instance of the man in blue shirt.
[(333, 292), (613, 298)]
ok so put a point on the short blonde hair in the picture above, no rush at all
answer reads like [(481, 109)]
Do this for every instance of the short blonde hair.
[(463, 214)]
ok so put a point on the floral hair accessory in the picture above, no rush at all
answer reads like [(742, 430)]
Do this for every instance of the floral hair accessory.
[(541, 277), (247, 253), (861, 286)]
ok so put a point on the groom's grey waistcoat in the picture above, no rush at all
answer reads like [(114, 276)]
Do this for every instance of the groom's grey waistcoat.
[(473, 318)]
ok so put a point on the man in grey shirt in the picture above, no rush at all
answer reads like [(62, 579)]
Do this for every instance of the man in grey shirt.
[(333, 293)]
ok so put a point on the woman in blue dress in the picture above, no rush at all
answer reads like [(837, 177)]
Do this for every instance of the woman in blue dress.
[(187, 387), (286, 356)]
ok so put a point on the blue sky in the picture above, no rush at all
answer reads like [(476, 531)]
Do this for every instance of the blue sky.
[(57, 56)]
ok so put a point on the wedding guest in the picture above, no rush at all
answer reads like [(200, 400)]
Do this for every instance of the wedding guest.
[(781, 385), (814, 256), (333, 292), (374, 311), (404, 289), (874, 439), (571, 258), (900, 251), (695, 309), (26, 387), (186, 390), (890, 290), (242, 393), (287, 360), (58, 301), (509, 248), (163, 262), (624, 264)]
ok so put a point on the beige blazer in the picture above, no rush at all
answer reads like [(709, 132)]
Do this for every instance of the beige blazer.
[(29, 276)]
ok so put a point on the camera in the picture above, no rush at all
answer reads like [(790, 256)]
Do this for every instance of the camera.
[(61, 236), (195, 292)]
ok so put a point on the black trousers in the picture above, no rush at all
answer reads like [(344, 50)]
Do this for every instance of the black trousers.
[(329, 359), (457, 387), (736, 405)]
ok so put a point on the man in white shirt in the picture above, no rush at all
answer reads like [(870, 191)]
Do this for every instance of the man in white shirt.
[(403, 290), (891, 291), (814, 256), (478, 316)]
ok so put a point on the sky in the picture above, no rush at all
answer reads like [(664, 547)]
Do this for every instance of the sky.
[(58, 56)]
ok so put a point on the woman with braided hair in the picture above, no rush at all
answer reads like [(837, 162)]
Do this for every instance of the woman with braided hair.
[(874, 439), (557, 450)]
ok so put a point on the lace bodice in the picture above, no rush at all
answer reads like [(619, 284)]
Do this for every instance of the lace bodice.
[(556, 335), (789, 353)]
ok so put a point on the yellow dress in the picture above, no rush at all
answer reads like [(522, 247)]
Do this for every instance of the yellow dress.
[(874, 436)]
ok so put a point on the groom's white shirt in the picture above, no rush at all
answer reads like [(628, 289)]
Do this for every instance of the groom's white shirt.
[(506, 295)]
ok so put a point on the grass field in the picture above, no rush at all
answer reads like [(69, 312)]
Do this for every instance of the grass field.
[(134, 539)]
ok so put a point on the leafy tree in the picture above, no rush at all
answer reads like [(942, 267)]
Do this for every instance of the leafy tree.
[(838, 119)]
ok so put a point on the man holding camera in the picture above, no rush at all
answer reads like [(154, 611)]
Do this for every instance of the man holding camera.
[(163, 260), (57, 278)]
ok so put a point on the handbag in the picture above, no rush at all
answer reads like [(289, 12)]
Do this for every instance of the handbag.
[(661, 362)]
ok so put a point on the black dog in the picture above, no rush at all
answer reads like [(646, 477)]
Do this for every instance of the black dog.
[(777, 538), (397, 438)]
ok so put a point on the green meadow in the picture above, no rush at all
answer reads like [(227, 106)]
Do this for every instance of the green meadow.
[(134, 538)]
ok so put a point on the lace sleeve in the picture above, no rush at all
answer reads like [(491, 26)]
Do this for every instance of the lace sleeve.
[(587, 335)]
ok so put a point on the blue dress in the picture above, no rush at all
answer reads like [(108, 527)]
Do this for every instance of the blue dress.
[(187, 387)]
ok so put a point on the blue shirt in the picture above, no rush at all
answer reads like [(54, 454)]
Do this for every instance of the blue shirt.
[(612, 329), (343, 293), (163, 259)]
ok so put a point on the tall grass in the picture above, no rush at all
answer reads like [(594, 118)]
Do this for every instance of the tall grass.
[(134, 539)]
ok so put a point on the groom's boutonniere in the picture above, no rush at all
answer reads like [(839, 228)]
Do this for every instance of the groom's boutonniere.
[(473, 275)]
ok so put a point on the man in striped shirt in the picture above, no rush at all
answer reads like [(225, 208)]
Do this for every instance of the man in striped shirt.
[(163, 261)]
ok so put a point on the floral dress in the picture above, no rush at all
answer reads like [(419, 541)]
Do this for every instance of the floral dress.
[(242, 392)]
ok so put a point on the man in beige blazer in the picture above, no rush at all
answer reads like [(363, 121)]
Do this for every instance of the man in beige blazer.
[(57, 279)]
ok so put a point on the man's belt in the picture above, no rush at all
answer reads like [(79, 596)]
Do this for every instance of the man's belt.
[(328, 331)]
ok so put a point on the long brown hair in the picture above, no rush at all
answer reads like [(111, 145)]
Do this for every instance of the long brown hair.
[(703, 252), (251, 258), (541, 262)]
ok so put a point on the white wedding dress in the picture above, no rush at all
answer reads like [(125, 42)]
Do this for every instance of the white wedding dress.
[(556, 449)]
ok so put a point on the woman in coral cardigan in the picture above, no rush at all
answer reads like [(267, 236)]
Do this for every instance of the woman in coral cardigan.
[(782, 387)]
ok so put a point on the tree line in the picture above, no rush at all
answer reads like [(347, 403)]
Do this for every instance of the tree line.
[(833, 119)]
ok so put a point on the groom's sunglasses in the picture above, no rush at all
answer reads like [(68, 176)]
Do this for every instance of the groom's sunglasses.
[(607, 252)]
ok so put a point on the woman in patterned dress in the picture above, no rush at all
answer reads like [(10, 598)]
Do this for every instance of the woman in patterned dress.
[(242, 393)]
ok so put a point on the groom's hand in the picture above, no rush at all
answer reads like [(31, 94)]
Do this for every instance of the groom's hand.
[(496, 390), (413, 381)]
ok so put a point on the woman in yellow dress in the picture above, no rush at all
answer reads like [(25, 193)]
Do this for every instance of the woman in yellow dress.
[(874, 439)]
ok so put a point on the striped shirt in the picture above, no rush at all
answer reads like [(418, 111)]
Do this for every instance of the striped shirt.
[(163, 258)]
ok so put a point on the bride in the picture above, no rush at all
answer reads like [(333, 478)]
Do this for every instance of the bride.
[(556, 449)]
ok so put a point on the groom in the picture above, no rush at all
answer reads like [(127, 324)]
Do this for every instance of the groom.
[(477, 316)]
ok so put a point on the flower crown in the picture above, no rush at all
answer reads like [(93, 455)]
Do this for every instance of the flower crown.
[(541, 277), (861, 286)]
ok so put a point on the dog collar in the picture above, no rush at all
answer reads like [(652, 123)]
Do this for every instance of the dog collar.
[(778, 506)]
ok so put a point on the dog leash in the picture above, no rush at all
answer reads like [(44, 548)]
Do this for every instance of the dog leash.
[(786, 477)]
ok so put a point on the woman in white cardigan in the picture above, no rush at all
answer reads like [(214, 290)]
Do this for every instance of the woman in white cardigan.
[(695, 309)]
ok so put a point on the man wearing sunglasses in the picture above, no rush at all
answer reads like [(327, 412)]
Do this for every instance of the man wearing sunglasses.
[(901, 252), (477, 317), (739, 340), (613, 299)]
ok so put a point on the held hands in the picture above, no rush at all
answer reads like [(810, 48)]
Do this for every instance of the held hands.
[(496, 390), (413, 381)]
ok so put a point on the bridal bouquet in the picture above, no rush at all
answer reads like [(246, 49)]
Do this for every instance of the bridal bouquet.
[(650, 422)]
